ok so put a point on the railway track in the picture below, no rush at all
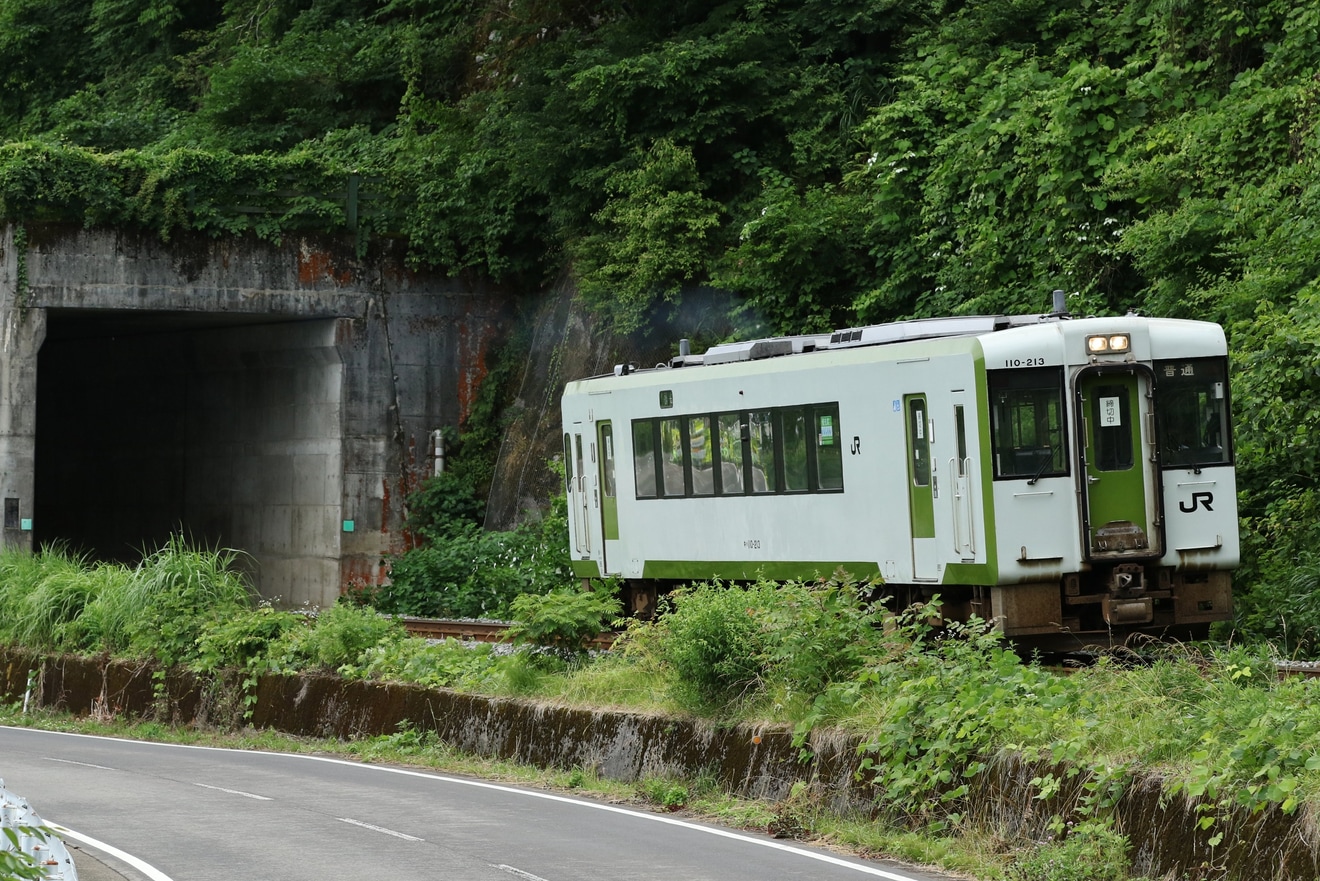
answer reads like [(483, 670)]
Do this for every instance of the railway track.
[(475, 631), (444, 628), (1308, 669)]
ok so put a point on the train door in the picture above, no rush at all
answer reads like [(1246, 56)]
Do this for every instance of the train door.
[(921, 489), (609, 501), (577, 494), (1121, 521), (960, 474)]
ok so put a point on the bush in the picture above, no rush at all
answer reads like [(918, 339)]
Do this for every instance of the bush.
[(244, 640), (472, 573), (337, 637), (820, 632), (945, 701), (713, 640), (447, 664), (563, 619), (1284, 607), (1093, 851)]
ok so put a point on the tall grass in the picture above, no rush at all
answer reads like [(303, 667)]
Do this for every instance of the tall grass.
[(58, 600), (42, 597)]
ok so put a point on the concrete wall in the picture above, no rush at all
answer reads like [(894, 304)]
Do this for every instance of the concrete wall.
[(274, 398)]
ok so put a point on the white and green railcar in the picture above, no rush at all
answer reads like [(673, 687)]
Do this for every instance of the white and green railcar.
[(1070, 479)]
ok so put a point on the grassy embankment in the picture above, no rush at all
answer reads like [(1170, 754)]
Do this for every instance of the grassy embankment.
[(934, 711)]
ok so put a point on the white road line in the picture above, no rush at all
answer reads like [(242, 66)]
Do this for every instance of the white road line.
[(519, 873), (234, 792), (379, 829), (72, 762), (861, 868), (145, 868)]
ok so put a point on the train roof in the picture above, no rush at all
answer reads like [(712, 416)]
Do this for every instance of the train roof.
[(855, 337), (912, 330)]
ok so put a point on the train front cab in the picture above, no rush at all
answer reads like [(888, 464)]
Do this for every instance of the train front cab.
[(1146, 447)]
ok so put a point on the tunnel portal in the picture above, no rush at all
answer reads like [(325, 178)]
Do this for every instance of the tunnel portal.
[(225, 429), (277, 398)]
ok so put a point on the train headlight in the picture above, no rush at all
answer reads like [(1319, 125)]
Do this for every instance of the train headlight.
[(1114, 342)]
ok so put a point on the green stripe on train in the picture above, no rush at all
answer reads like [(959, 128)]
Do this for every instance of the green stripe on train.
[(584, 568), (746, 570)]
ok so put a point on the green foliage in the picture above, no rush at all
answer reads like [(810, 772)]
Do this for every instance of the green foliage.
[(45, 595), (340, 636), (165, 191), (1284, 605), (950, 704), (472, 573), (711, 637), (656, 238), (175, 593), (160, 609), (563, 619), (445, 504), (670, 794), (800, 260), (1093, 851), (244, 640), (447, 664), (15, 865), (463, 571), (820, 633), (1251, 753)]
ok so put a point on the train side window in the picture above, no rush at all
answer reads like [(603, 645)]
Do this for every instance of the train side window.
[(731, 453), (1026, 423), (761, 428), (918, 442), (1191, 397), (671, 457), (644, 458), (701, 450), (828, 448), (607, 460), (794, 434)]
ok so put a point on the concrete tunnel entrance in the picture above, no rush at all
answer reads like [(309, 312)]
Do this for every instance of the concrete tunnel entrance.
[(226, 428)]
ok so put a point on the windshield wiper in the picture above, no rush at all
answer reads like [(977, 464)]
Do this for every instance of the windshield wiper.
[(1049, 459)]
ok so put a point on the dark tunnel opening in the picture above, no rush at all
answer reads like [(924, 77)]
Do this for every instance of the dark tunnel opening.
[(222, 428)]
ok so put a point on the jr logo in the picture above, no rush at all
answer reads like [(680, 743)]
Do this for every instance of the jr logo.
[(1198, 499)]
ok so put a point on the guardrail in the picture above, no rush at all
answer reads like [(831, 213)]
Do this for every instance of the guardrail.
[(23, 832)]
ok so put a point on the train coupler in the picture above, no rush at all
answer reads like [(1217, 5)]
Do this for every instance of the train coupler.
[(1126, 601)]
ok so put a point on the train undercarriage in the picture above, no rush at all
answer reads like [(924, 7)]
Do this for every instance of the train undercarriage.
[(1104, 607)]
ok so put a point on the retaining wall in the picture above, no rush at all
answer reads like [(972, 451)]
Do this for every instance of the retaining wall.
[(754, 761)]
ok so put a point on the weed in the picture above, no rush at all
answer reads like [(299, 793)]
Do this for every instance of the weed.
[(447, 664), (712, 638), (669, 794), (563, 619), (1091, 852), (338, 637)]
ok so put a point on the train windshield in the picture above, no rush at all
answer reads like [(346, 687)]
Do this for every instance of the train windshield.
[(1191, 395), (1026, 422)]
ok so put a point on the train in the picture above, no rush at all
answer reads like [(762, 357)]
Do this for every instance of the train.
[(1069, 479)]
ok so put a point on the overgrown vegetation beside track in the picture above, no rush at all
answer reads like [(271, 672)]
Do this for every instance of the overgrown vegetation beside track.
[(936, 707), (827, 164)]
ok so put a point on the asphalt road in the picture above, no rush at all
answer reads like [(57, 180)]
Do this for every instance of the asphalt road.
[(201, 813)]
